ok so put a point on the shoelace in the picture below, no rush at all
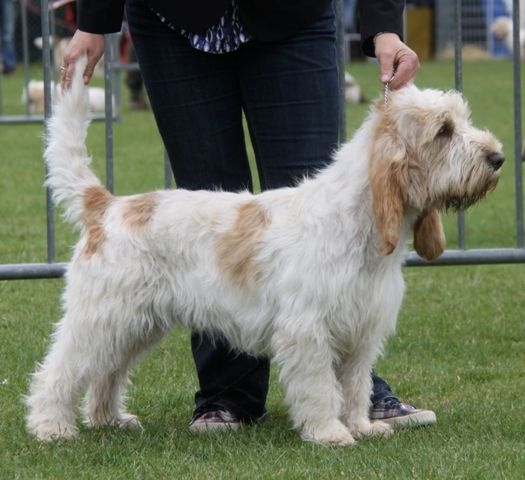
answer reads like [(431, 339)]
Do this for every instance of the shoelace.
[(390, 402)]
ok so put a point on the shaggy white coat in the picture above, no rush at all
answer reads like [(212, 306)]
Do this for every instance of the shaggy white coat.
[(309, 276)]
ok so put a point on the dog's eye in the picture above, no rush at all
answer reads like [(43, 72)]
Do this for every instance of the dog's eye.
[(446, 130)]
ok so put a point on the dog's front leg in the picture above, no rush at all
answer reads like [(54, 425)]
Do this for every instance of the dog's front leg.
[(355, 377), (311, 389)]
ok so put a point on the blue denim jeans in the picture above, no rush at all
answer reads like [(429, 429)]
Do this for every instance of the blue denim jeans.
[(7, 33), (288, 94)]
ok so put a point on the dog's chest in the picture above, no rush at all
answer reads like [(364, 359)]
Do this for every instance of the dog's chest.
[(367, 306)]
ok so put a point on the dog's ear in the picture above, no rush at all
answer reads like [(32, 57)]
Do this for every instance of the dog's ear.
[(429, 236), (388, 172)]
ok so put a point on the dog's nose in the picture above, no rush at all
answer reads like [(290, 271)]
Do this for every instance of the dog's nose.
[(495, 160)]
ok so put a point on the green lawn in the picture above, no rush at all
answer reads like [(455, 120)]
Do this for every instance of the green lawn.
[(459, 348)]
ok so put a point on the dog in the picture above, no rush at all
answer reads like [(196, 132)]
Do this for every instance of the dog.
[(353, 91), (59, 46), (502, 30), (310, 275), (33, 97)]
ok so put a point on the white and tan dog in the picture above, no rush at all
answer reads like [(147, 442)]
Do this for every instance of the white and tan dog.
[(502, 29), (309, 276), (33, 97)]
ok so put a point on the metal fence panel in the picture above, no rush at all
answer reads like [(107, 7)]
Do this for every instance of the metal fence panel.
[(458, 22)]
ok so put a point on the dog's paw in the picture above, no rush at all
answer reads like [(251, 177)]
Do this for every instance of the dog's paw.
[(372, 429), (123, 420), (334, 434), (128, 420), (53, 431)]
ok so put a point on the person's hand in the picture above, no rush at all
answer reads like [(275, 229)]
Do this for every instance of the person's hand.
[(395, 57), (82, 43)]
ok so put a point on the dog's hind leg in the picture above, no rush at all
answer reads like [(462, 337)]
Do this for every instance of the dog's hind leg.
[(106, 393), (312, 390), (55, 387)]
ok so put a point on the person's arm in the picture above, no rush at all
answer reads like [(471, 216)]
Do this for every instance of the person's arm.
[(379, 16), (381, 37), (94, 19), (100, 16)]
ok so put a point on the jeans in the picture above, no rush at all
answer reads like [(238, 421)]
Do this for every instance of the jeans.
[(7, 32), (288, 94)]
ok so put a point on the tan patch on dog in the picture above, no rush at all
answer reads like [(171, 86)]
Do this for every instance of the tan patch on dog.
[(429, 236), (388, 173), (139, 210), (237, 248), (96, 202)]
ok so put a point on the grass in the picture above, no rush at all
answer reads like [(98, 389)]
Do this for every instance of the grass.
[(459, 348)]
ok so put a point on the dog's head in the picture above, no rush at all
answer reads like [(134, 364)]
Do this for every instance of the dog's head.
[(501, 27), (427, 157), (33, 95), (59, 45)]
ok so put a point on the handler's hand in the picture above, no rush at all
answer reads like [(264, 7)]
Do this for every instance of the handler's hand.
[(395, 57), (82, 43)]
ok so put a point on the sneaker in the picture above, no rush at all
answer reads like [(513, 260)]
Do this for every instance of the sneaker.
[(214, 420), (398, 414)]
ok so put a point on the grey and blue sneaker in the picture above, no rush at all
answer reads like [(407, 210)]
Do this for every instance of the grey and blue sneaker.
[(398, 414)]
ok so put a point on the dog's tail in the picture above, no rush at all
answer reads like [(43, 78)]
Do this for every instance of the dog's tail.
[(68, 173)]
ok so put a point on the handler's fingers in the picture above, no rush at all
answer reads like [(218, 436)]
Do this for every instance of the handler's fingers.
[(395, 57), (67, 70), (82, 43), (406, 65), (387, 71), (89, 70), (66, 74)]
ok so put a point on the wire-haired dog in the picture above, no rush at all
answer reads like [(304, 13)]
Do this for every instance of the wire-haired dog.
[(309, 276)]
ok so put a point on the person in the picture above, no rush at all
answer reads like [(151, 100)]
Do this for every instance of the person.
[(349, 8), (133, 80), (7, 34), (205, 63)]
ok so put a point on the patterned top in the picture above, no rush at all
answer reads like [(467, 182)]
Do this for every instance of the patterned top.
[(224, 37)]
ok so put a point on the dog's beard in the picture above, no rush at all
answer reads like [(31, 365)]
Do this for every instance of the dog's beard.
[(456, 203)]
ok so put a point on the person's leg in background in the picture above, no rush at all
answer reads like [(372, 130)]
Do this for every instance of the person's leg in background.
[(7, 31), (196, 102), (290, 98), (134, 82)]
